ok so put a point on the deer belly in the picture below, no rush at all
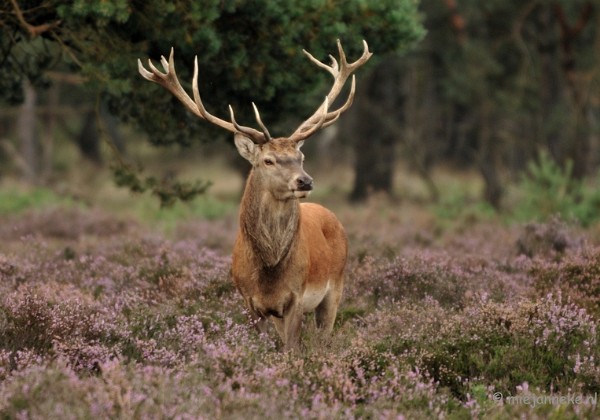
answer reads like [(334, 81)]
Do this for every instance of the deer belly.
[(312, 297)]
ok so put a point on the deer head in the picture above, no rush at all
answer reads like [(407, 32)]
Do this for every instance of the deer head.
[(278, 164), (276, 161)]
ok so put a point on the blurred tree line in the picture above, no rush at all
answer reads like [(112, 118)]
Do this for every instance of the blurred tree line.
[(501, 80), (248, 51), (486, 84)]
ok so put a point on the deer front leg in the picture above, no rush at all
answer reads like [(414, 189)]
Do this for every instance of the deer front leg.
[(289, 327), (258, 321), (260, 324), (292, 324)]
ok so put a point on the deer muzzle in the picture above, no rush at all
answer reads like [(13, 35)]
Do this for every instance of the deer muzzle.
[(304, 183)]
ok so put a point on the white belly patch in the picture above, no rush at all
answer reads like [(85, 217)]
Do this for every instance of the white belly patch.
[(312, 298)]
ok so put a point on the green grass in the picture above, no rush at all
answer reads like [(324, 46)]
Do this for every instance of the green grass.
[(15, 200), (209, 207)]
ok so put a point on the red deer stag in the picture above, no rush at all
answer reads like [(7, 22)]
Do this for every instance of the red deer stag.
[(288, 258)]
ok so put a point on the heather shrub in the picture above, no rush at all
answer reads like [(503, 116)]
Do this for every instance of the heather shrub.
[(64, 223), (75, 329), (576, 276), (501, 345), (113, 298), (127, 323), (448, 279), (550, 239), (218, 235), (368, 382), (379, 229), (315, 388), (31, 321), (119, 391)]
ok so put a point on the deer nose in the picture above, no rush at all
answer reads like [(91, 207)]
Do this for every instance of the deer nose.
[(304, 182)]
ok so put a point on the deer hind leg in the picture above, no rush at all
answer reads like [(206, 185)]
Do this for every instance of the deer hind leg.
[(326, 312)]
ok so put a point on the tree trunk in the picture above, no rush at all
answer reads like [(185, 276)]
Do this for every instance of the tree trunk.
[(88, 139), (26, 129), (50, 122), (487, 160), (374, 162), (373, 142), (580, 147), (551, 86)]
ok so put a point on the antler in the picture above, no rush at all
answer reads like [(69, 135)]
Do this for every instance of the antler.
[(340, 72), (169, 81)]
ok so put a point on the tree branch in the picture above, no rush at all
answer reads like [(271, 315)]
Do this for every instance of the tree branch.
[(33, 30), (567, 30), (568, 35)]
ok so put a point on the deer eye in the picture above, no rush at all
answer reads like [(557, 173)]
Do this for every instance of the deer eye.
[(269, 162)]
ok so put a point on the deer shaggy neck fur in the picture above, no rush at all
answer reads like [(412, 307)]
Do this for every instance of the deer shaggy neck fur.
[(269, 223)]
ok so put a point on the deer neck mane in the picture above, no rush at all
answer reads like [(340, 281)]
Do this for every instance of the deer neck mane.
[(270, 225)]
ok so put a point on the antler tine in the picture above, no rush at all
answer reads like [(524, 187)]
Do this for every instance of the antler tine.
[(331, 69), (309, 131), (340, 70), (250, 132), (260, 123), (169, 81), (155, 75), (142, 70), (334, 64), (196, 93), (333, 116), (255, 135), (168, 64), (341, 53)]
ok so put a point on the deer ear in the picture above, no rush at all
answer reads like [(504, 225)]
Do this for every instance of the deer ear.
[(246, 147), (299, 144)]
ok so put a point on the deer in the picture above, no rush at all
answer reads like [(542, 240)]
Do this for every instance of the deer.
[(289, 257)]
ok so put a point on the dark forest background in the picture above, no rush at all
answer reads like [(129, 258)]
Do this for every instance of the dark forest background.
[(504, 88)]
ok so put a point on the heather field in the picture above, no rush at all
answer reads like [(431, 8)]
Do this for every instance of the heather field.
[(106, 316)]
